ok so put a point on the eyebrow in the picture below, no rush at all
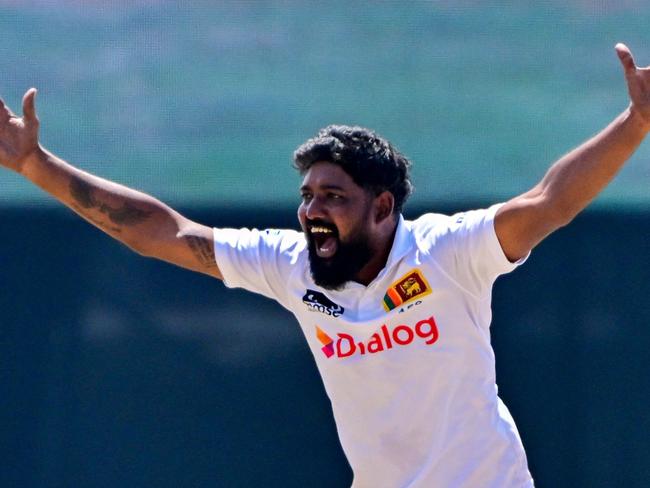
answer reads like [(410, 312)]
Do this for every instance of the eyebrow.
[(323, 187)]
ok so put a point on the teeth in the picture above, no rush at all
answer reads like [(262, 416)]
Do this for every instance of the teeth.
[(324, 230)]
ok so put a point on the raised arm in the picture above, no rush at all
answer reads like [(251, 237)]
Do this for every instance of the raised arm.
[(136, 219), (576, 178)]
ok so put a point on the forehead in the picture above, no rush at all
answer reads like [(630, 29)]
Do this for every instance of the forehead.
[(324, 174)]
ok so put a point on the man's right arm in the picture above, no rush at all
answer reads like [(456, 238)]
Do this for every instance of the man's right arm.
[(136, 219)]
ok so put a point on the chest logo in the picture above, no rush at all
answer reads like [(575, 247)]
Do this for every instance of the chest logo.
[(326, 341), (409, 287), (384, 339), (318, 302)]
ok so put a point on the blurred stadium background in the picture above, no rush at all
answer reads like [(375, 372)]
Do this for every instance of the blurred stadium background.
[(122, 371)]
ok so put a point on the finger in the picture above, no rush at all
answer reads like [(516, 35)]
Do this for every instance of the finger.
[(625, 55), (29, 106), (4, 110)]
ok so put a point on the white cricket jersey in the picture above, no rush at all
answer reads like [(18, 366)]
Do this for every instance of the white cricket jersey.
[(406, 361)]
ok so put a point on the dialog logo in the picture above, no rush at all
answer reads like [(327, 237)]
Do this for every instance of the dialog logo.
[(328, 343), (318, 302), (384, 339), (407, 288)]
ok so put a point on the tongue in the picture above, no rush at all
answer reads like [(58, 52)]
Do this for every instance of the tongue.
[(327, 248)]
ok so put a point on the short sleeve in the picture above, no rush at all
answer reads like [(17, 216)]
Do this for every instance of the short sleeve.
[(466, 246), (258, 261)]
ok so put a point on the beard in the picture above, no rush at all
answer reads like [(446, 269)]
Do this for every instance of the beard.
[(334, 272)]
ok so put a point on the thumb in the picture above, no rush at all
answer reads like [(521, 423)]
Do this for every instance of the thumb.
[(29, 108), (625, 55)]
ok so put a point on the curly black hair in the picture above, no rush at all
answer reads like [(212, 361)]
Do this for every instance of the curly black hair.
[(372, 162)]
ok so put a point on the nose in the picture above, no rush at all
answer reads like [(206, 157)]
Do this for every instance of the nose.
[(314, 209)]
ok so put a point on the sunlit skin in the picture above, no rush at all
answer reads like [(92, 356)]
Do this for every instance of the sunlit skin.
[(329, 194)]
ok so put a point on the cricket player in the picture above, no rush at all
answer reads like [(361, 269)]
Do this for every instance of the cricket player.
[(396, 313)]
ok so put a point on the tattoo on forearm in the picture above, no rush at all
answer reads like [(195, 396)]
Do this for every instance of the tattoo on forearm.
[(202, 249), (82, 192), (97, 222), (127, 215)]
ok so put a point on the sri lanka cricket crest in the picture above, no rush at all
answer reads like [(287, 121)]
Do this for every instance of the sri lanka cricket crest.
[(409, 287)]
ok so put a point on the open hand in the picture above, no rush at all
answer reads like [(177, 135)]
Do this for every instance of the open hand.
[(18, 135), (638, 82)]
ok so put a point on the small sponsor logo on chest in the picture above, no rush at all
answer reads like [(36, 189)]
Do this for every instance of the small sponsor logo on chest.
[(318, 302)]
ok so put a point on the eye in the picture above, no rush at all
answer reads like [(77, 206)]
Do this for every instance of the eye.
[(334, 196), (306, 196)]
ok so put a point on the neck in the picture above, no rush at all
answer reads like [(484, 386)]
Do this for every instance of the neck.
[(380, 255)]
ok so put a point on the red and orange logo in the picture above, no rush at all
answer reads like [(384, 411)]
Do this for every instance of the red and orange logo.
[(384, 339), (407, 288), (326, 341)]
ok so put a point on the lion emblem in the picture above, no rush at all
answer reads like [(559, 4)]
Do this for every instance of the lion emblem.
[(411, 287)]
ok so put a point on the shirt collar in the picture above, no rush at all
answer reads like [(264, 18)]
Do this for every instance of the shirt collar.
[(401, 244)]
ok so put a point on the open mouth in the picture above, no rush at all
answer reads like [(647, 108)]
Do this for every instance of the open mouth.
[(325, 240)]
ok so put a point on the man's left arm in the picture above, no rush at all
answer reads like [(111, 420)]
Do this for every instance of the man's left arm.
[(576, 178)]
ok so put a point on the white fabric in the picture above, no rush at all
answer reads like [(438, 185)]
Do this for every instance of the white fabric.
[(415, 399)]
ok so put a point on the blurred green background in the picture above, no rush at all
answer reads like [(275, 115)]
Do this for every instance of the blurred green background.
[(204, 102)]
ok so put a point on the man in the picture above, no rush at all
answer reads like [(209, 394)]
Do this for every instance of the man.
[(396, 313)]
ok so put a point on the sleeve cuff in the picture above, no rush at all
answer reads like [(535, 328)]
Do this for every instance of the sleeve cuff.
[(503, 264), (224, 241)]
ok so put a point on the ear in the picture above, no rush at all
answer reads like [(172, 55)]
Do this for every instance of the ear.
[(384, 205)]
